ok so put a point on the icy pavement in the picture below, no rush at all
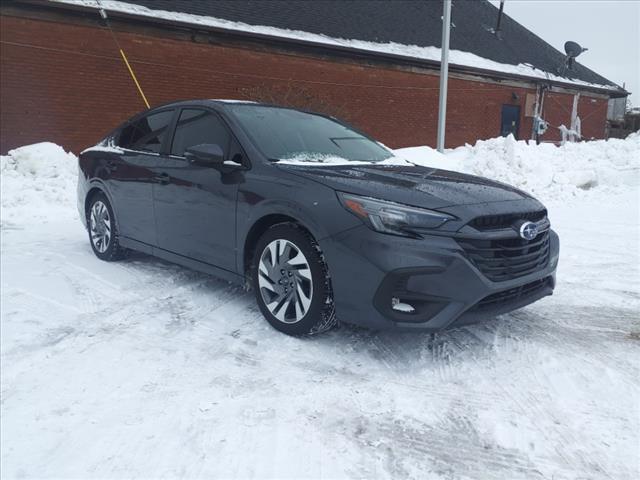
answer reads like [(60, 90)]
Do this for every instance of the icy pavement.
[(145, 369), (141, 369)]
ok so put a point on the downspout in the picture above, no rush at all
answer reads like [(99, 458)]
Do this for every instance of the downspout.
[(536, 113), (575, 120), (540, 89)]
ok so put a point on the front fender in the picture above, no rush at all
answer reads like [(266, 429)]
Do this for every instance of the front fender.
[(317, 209)]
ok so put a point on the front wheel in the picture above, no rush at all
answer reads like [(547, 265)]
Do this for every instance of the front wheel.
[(291, 281)]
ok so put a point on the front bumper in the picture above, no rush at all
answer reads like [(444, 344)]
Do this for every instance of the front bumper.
[(432, 274)]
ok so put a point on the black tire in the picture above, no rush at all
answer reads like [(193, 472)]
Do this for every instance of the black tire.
[(113, 250), (320, 313)]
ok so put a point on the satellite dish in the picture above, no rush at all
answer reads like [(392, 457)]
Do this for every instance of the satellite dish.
[(572, 49)]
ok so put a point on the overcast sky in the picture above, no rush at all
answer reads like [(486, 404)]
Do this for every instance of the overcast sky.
[(610, 29)]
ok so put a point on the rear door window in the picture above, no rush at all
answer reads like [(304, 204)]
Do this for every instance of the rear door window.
[(196, 127), (147, 133)]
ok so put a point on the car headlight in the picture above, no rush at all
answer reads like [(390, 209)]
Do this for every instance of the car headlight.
[(389, 217)]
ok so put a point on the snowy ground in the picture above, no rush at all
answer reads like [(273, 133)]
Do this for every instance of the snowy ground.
[(145, 369)]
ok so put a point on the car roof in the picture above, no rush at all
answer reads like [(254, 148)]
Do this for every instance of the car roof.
[(207, 102), (218, 103)]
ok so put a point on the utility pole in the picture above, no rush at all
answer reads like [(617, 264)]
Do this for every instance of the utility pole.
[(444, 73)]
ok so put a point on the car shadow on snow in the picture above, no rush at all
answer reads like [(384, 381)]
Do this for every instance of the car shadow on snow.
[(382, 345)]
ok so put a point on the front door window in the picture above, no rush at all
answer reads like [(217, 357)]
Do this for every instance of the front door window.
[(196, 127)]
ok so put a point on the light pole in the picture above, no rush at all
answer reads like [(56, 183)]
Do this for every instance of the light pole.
[(444, 73)]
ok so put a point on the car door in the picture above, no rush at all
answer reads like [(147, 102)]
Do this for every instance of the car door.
[(131, 176), (195, 205)]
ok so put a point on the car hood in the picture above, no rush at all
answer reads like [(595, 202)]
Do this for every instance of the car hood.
[(412, 185)]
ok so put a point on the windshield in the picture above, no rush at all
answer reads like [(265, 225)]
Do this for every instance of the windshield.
[(284, 134)]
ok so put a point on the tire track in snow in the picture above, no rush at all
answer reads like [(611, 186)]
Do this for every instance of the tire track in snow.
[(523, 407), (395, 404), (528, 402)]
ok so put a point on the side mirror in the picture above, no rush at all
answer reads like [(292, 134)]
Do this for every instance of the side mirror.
[(205, 154)]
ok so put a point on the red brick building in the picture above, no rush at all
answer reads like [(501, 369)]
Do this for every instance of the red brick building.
[(63, 80)]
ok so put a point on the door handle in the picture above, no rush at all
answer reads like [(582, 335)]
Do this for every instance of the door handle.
[(162, 179), (112, 166)]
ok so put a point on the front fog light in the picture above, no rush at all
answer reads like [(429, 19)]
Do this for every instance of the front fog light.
[(399, 306)]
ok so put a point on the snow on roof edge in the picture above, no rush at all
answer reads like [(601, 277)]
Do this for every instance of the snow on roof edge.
[(456, 57)]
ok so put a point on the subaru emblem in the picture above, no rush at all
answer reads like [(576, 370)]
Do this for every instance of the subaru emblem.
[(529, 230)]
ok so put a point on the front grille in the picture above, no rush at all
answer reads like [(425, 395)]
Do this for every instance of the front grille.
[(495, 222), (496, 300), (505, 259)]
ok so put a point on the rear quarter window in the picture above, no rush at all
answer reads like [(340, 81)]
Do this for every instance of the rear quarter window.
[(148, 133)]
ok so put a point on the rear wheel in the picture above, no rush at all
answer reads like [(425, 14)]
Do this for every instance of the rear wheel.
[(103, 233), (291, 281)]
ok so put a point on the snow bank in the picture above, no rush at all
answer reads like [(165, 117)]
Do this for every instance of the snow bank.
[(39, 181), (547, 171), (429, 157), (38, 184)]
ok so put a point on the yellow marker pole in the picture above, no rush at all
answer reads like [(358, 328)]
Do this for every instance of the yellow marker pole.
[(133, 75)]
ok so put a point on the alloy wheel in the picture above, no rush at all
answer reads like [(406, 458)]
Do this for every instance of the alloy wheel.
[(284, 278), (100, 226)]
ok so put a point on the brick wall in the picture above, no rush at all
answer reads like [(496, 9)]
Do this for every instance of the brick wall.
[(592, 112), (66, 83)]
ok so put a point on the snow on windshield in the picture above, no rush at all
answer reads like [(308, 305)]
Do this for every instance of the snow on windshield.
[(320, 159)]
